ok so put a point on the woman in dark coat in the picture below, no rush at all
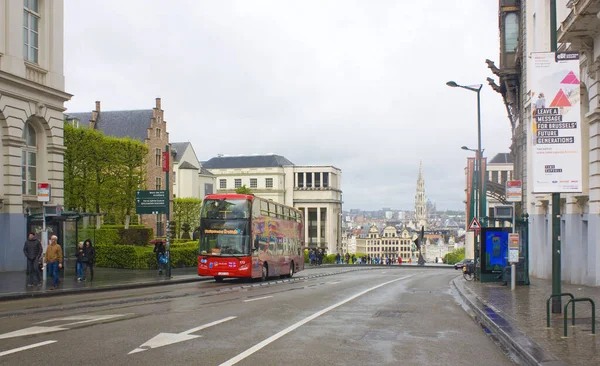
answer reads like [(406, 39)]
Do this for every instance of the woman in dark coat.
[(90, 253)]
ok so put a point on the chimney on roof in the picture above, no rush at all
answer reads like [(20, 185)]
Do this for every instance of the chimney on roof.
[(95, 114), (158, 103)]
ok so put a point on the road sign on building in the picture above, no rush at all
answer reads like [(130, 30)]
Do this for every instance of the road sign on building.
[(43, 192), (513, 191), (151, 202)]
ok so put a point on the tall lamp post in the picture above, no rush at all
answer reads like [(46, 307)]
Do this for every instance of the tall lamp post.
[(478, 168)]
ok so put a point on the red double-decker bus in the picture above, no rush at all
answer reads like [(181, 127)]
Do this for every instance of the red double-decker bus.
[(244, 236)]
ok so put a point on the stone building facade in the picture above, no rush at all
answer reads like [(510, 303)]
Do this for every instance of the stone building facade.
[(525, 29), (387, 243), (32, 101), (148, 126)]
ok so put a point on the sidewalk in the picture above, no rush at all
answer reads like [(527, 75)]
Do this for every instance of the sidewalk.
[(13, 285), (518, 320)]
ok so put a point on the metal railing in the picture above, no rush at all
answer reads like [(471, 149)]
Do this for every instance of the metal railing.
[(573, 318)]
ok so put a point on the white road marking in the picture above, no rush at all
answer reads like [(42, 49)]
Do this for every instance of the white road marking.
[(165, 339), (258, 298), (38, 329), (333, 283), (30, 331), (24, 348), (84, 318), (297, 325)]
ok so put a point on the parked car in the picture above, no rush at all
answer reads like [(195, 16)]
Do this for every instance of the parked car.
[(462, 263)]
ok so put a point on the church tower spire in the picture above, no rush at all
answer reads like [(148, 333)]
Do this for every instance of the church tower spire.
[(420, 201)]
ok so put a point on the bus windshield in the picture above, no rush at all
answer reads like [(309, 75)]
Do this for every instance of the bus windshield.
[(225, 209), (226, 238)]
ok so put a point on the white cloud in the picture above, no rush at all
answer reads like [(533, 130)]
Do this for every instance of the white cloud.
[(355, 84)]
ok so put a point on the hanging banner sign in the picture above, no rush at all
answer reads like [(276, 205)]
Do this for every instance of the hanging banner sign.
[(555, 142), (513, 191)]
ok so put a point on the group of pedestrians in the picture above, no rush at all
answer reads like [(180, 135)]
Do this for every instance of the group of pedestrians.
[(53, 257), (316, 256)]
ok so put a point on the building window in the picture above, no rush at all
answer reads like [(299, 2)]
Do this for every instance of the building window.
[(222, 183), (317, 180), (31, 21), (300, 180), (269, 182), (158, 132), (253, 183), (29, 161), (208, 188), (309, 180), (325, 180), (511, 32), (174, 177), (158, 183), (237, 183), (158, 157)]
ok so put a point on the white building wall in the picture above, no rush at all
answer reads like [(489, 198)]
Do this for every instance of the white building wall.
[(34, 93), (580, 213)]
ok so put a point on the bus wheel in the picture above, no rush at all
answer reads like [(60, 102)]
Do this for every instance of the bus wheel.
[(218, 279), (265, 272), (291, 270)]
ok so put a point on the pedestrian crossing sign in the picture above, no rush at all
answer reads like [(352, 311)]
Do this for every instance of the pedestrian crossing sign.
[(475, 225)]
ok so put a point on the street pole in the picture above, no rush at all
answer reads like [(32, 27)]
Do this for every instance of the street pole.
[(481, 194), (556, 255), (44, 243), (513, 266), (167, 173)]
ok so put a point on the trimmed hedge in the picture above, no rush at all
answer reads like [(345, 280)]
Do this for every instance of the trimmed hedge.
[(113, 234), (143, 257)]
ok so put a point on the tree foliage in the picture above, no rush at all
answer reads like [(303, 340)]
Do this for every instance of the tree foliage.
[(243, 190), (186, 211), (454, 256), (102, 173)]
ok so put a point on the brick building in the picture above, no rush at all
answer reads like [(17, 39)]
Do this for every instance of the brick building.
[(145, 125)]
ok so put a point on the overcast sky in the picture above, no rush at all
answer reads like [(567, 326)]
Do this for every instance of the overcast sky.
[(359, 85)]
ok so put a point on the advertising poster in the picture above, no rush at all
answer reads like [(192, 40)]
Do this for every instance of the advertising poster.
[(555, 142)]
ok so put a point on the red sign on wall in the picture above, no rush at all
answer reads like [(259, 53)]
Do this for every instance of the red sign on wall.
[(165, 161)]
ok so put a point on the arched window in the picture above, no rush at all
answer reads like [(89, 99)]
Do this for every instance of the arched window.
[(511, 32), (29, 161)]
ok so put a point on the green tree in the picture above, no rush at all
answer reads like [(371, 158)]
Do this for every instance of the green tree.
[(243, 190), (102, 173), (186, 211)]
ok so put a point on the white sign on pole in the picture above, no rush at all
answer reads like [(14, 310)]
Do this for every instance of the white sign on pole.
[(513, 191), (43, 192), (555, 142)]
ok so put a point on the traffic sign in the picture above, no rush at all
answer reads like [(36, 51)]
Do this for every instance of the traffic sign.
[(151, 202), (513, 191), (43, 192), (475, 225)]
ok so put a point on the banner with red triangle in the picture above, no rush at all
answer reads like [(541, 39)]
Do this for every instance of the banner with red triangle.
[(570, 79), (560, 100)]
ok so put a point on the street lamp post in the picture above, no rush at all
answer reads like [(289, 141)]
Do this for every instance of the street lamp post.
[(478, 167)]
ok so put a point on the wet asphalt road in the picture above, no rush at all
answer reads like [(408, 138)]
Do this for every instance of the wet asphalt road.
[(369, 317)]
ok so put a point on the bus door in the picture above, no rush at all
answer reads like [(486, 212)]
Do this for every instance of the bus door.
[(256, 267)]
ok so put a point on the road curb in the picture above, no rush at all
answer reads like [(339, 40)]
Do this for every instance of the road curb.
[(136, 285), (509, 336), (86, 290)]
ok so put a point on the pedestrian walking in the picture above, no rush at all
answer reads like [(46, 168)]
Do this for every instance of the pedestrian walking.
[(54, 259), (80, 258), (159, 250), (33, 252), (90, 254)]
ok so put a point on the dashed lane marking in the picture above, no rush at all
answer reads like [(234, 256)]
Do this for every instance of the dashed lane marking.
[(24, 348), (258, 298)]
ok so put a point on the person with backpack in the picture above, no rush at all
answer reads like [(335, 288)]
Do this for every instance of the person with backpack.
[(159, 250), (33, 252)]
